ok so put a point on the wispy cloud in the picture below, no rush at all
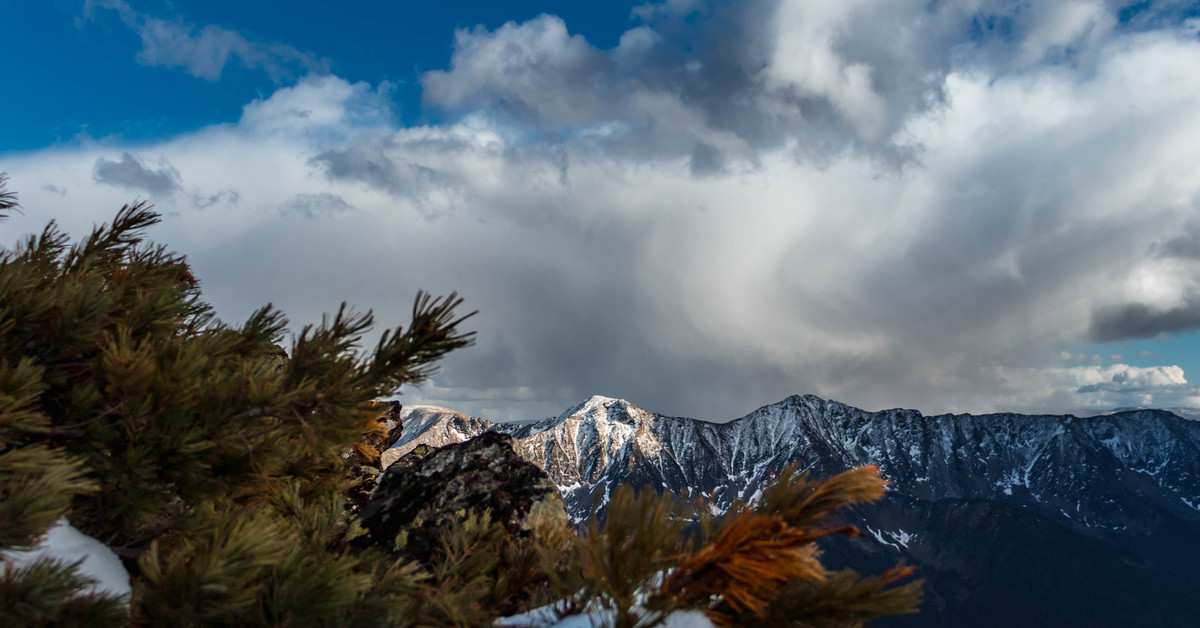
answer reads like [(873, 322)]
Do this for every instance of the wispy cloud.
[(132, 173), (205, 51), (316, 205)]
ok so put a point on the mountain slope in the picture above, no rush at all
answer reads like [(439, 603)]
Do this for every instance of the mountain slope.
[(1035, 520)]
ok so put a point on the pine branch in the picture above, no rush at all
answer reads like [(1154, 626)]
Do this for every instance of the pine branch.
[(8, 200), (51, 593)]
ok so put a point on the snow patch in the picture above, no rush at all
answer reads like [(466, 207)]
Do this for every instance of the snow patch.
[(64, 543), (902, 537), (878, 534), (545, 617)]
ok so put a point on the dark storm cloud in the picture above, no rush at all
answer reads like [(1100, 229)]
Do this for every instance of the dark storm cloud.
[(1185, 245), (566, 318), (133, 173), (1137, 321)]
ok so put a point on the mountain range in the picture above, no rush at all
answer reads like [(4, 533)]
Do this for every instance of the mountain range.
[(1011, 519)]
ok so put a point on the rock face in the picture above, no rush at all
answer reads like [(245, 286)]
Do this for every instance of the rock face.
[(427, 488), (1012, 519)]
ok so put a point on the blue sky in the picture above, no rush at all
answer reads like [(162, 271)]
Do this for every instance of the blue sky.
[(99, 90), (701, 207)]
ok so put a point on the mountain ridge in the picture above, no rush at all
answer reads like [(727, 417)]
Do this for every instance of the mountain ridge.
[(1122, 489), (828, 432)]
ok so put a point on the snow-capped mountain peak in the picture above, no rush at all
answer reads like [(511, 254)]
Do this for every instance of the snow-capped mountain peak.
[(434, 426), (598, 409)]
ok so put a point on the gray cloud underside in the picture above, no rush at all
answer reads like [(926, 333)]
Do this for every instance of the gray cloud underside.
[(132, 173), (1137, 321), (1185, 245)]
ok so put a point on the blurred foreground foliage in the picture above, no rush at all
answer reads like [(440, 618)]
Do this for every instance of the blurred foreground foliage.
[(214, 463)]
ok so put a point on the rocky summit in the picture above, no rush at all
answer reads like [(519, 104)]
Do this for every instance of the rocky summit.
[(1012, 519)]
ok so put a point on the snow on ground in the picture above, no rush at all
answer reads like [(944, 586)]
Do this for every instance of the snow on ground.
[(65, 543), (545, 618)]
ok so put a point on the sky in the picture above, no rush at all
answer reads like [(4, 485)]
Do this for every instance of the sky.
[(701, 207)]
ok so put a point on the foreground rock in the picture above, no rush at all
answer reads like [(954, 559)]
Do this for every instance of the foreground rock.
[(428, 489)]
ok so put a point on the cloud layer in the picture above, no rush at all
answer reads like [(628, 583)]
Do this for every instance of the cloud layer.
[(909, 206)]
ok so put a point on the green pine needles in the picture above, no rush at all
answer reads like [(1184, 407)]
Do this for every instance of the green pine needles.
[(215, 465)]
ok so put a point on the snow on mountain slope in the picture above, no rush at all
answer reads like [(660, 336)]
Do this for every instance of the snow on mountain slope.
[(1032, 520), (433, 426), (1059, 462)]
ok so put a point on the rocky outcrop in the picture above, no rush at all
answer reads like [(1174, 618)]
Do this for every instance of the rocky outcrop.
[(427, 489), (366, 463)]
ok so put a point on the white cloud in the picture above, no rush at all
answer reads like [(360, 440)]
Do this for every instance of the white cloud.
[(805, 58), (531, 67), (1097, 387), (325, 108), (689, 238), (1125, 378)]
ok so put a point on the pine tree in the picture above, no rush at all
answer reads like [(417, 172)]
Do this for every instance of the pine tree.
[(225, 473), (209, 460)]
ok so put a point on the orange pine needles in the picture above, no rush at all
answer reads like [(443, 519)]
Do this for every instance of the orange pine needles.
[(760, 549), (750, 561), (373, 427), (367, 452)]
